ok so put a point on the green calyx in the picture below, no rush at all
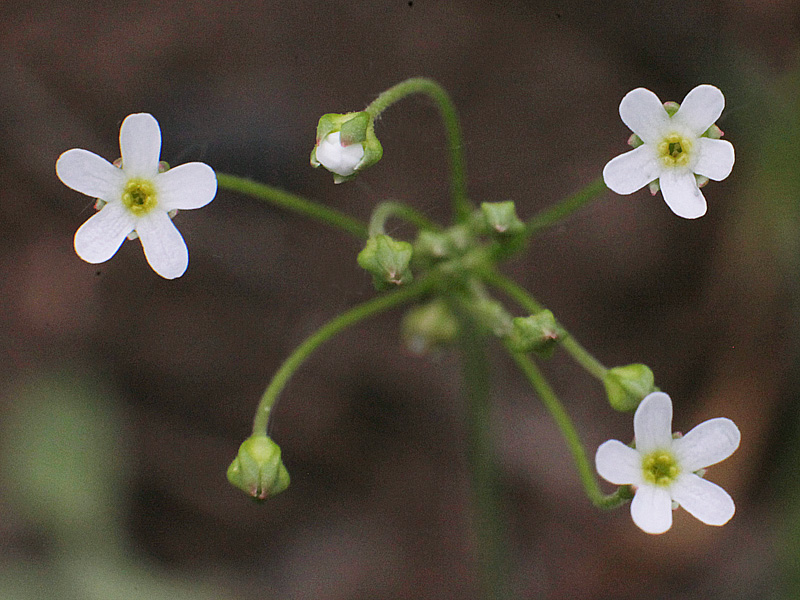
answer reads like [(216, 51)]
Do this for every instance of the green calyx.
[(257, 469), (429, 326), (627, 386), (387, 260), (501, 218), (537, 333)]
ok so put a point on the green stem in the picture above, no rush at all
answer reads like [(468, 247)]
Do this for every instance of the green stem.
[(569, 343), (421, 85), (565, 425), (292, 202), (566, 207), (489, 524), (389, 208), (323, 334)]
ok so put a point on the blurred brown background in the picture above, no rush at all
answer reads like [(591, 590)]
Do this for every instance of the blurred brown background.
[(373, 436)]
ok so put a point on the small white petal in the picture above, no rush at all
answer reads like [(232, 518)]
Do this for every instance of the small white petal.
[(187, 186), (100, 237), (715, 158), (644, 114), (339, 159), (651, 509), (163, 244), (707, 444), (618, 463), (632, 171), (652, 423), (140, 145), (702, 499), (700, 108), (681, 193), (90, 174)]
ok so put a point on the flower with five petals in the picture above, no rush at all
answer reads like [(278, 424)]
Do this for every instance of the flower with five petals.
[(675, 147), (135, 198), (664, 469)]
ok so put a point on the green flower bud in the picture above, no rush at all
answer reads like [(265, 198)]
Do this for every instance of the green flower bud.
[(538, 333), (501, 218), (387, 260), (257, 469), (346, 144), (627, 386), (671, 107), (432, 247), (429, 326), (491, 315)]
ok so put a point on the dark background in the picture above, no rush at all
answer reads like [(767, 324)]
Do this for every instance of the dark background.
[(133, 392)]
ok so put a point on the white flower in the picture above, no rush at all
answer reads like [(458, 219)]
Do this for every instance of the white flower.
[(674, 148), (136, 197), (663, 469), (338, 158)]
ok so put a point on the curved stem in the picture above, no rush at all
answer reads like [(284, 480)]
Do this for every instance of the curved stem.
[(554, 214), (455, 144), (526, 301), (389, 208), (294, 203), (565, 425), (323, 334)]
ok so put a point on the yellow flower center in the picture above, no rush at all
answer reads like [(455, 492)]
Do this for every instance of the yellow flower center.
[(660, 468), (674, 150), (139, 196)]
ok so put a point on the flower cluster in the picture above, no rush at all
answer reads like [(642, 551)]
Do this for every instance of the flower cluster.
[(665, 469), (136, 199)]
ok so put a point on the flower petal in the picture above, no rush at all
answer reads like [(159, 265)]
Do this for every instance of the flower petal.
[(632, 171), (715, 158), (188, 186), (644, 114), (342, 160), (163, 244), (140, 144), (652, 423), (651, 509), (681, 193), (90, 174), (700, 108), (99, 238), (702, 499), (618, 463), (707, 444)]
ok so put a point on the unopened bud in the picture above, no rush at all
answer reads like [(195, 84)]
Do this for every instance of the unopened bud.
[(346, 144), (387, 260), (257, 469), (537, 333), (501, 218), (627, 386)]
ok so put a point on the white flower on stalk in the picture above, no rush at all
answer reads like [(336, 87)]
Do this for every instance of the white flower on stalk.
[(338, 158), (664, 469), (678, 147), (135, 199)]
